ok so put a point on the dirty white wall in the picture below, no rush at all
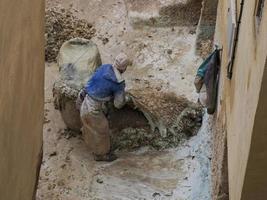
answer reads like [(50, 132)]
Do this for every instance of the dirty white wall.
[(242, 113), (21, 96)]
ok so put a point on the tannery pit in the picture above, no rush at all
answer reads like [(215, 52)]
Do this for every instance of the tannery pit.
[(160, 140)]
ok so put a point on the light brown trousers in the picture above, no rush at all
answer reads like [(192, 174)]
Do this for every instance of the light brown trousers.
[(95, 126)]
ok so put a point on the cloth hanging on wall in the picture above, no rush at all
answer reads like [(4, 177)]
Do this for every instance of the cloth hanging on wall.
[(206, 81)]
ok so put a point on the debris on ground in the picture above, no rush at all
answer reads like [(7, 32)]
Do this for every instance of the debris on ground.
[(53, 154), (46, 121), (99, 180), (60, 26), (204, 48)]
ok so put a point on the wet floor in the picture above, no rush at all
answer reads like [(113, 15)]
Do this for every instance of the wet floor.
[(69, 171), (163, 58)]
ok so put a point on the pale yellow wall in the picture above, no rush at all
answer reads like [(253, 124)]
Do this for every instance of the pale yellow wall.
[(21, 96), (240, 95), (256, 176)]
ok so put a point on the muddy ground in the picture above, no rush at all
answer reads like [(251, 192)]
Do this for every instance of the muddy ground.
[(163, 59)]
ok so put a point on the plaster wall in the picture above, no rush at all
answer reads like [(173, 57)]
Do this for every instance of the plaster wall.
[(241, 98), (21, 96)]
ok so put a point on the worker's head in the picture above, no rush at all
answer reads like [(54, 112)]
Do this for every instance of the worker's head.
[(121, 62)]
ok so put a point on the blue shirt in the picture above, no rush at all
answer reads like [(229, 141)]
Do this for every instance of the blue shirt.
[(104, 84)]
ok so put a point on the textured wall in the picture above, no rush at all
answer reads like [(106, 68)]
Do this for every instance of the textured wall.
[(21, 96), (219, 145), (219, 159), (206, 27), (256, 177), (241, 103)]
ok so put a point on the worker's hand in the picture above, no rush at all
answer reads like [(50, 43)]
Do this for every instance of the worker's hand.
[(80, 99), (82, 94), (129, 100)]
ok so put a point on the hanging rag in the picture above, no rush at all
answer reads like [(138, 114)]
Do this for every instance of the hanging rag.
[(206, 81)]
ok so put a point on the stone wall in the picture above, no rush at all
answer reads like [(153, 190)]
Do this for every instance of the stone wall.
[(206, 27), (21, 96)]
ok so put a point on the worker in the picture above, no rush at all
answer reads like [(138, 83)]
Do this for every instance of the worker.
[(105, 85)]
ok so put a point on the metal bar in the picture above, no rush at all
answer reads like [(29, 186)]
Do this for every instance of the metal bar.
[(230, 65)]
